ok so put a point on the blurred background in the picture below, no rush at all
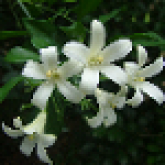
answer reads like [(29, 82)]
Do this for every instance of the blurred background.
[(139, 134)]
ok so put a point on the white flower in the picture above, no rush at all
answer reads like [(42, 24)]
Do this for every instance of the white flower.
[(53, 74), (34, 135), (97, 58), (107, 103), (137, 75)]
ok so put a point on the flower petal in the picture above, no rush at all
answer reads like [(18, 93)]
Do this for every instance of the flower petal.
[(41, 152), (76, 51), (152, 90), (34, 70), (70, 92), (153, 69), (27, 146), (142, 55), (115, 73), (96, 120), (10, 132), (42, 94), (70, 68), (110, 117), (46, 140), (116, 50), (136, 100), (89, 80), (37, 125), (119, 101), (17, 122), (123, 91), (49, 57), (97, 38), (131, 68)]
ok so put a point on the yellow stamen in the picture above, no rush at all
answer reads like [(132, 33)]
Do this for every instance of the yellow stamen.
[(93, 61), (49, 74), (52, 74), (141, 79), (113, 106), (31, 137), (100, 59)]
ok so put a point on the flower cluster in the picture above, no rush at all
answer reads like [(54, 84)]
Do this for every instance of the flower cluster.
[(88, 62)]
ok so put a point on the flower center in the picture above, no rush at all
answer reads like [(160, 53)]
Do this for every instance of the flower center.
[(113, 106), (52, 74), (141, 79), (94, 61), (31, 137)]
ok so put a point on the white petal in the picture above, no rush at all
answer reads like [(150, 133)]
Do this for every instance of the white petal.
[(42, 95), (89, 80), (115, 73), (34, 70), (37, 125), (97, 120), (76, 51), (41, 152), (27, 146), (17, 122), (70, 92), (49, 57), (110, 117), (153, 69), (123, 91), (120, 102), (136, 100), (101, 96), (97, 38), (70, 68), (46, 140), (10, 132), (142, 55), (152, 90), (131, 68), (116, 50)]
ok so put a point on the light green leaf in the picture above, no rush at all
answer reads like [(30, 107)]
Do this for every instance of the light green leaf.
[(77, 30), (42, 32), (19, 54), (4, 91)]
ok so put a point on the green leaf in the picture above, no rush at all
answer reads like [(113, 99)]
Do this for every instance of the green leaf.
[(77, 30), (149, 35), (105, 18), (116, 134), (11, 34), (19, 54), (43, 33), (70, 0), (147, 18), (7, 87), (153, 148), (148, 43), (55, 115), (86, 6)]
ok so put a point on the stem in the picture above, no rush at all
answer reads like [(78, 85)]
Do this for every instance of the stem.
[(24, 9)]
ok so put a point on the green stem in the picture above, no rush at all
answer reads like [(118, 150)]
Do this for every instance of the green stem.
[(24, 9)]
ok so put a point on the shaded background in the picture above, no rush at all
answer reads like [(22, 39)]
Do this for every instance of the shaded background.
[(138, 136)]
